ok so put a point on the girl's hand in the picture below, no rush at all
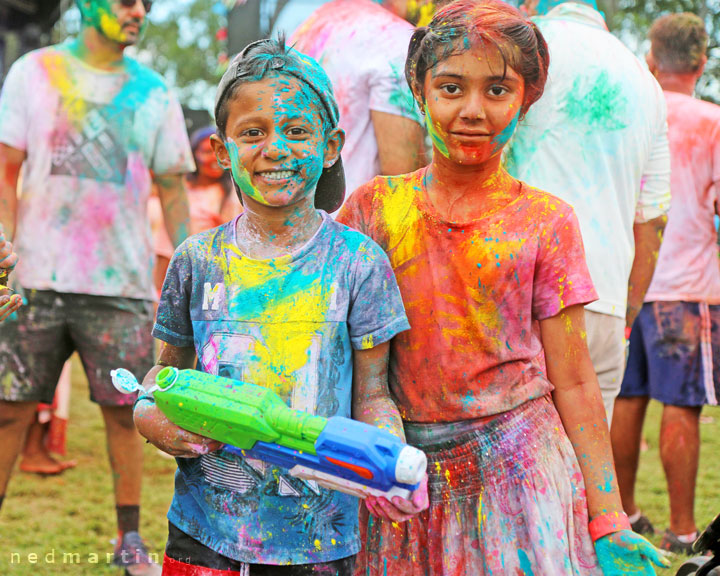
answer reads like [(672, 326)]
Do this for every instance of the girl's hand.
[(626, 552), (168, 437), (400, 510)]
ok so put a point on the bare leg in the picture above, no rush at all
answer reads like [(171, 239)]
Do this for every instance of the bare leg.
[(15, 419), (680, 453), (126, 454), (626, 435)]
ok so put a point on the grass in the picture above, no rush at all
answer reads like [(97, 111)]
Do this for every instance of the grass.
[(74, 513)]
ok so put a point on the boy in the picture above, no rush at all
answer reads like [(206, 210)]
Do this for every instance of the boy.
[(277, 297)]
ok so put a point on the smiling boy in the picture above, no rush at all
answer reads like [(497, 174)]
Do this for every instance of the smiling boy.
[(282, 297)]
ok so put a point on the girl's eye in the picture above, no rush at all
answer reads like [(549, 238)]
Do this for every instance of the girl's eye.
[(498, 90), (451, 89)]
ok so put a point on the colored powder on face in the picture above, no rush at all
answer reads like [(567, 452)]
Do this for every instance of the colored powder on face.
[(240, 175), (110, 26), (503, 138), (435, 135)]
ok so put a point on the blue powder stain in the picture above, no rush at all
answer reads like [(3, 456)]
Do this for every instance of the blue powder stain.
[(504, 137), (525, 565), (479, 265)]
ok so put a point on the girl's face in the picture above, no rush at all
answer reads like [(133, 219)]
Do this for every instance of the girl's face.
[(276, 145), (207, 164), (471, 109)]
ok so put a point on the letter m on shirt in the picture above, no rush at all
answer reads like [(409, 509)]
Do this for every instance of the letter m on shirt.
[(213, 296)]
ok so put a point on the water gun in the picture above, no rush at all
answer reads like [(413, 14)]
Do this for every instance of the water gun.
[(254, 422)]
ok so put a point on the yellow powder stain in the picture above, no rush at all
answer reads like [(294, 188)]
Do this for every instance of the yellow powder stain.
[(111, 27), (447, 476), (333, 541), (438, 469), (60, 78), (367, 342), (318, 545), (402, 220), (480, 515), (281, 356)]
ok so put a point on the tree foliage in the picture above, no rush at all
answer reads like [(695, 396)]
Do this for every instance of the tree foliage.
[(631, 21)]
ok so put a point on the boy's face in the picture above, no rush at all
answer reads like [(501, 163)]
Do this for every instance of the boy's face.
[(276, 144)]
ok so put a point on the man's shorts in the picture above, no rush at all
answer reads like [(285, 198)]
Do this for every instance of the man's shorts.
[(675, 354), (107, 332)]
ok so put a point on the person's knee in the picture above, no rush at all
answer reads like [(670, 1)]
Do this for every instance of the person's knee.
[(119, 418), (16, 416)]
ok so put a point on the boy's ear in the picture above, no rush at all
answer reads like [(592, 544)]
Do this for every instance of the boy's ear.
[(221, 152), (335, 143)]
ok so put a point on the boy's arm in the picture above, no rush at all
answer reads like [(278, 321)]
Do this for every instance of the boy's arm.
[(155, 426), (371, 402)]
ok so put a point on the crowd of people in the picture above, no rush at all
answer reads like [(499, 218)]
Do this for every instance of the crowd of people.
[(491, 234)]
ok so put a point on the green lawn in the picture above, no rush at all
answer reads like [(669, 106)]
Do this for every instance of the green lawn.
[(74, 513)]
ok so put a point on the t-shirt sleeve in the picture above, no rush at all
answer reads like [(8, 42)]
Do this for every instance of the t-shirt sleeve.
[(561, 276), (376, 310), (654, 200), (389, 91), (13, 109), (172, 153), (173, 324)]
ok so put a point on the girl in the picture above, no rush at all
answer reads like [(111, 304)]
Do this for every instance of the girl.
[(494, 380)]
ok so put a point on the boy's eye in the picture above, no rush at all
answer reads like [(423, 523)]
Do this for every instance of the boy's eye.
[(451, 89), (498, 90), (296, 131), (252, 133)]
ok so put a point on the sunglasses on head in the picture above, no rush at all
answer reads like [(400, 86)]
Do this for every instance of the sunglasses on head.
[(130, 3)]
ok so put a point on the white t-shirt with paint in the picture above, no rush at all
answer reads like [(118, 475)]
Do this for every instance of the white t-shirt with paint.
[(362, 47), (688, 268), (91, 137), (597, 139)]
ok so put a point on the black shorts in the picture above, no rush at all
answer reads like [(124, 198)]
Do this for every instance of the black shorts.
[(107, 332), (185, 556)]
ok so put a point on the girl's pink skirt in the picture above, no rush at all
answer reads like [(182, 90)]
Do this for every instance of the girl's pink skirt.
[(506, 498)]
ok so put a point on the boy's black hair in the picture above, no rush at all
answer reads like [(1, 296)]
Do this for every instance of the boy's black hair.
[(259, 58)]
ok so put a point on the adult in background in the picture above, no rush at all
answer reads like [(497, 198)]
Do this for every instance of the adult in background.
[(93, 128), (675, 342), (362, 46), (598, 140)]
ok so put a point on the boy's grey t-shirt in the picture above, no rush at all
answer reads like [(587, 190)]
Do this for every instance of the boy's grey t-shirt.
[(289, 324)]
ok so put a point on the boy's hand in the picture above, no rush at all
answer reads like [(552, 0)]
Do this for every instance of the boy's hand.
[(626, 552), (400, 510), (168, 437)]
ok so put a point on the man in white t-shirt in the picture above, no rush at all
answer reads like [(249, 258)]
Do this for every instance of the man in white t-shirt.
[(675, 342), (598, 140), (362, 45), (92, 129)]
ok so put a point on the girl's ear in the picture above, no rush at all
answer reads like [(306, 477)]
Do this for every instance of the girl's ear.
[(221, 152), (335, 143)]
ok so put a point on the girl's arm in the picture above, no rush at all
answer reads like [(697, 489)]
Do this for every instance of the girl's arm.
[(620, 551), (371, 401), (579, 403), (372, 404), (155, 426)]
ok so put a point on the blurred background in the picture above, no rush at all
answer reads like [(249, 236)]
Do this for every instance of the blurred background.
[(189, 41)]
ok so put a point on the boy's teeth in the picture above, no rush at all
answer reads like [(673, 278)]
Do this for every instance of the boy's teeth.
[(280, 175)]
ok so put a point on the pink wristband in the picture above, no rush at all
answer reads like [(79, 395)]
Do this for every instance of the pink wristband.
[(607, 524)]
